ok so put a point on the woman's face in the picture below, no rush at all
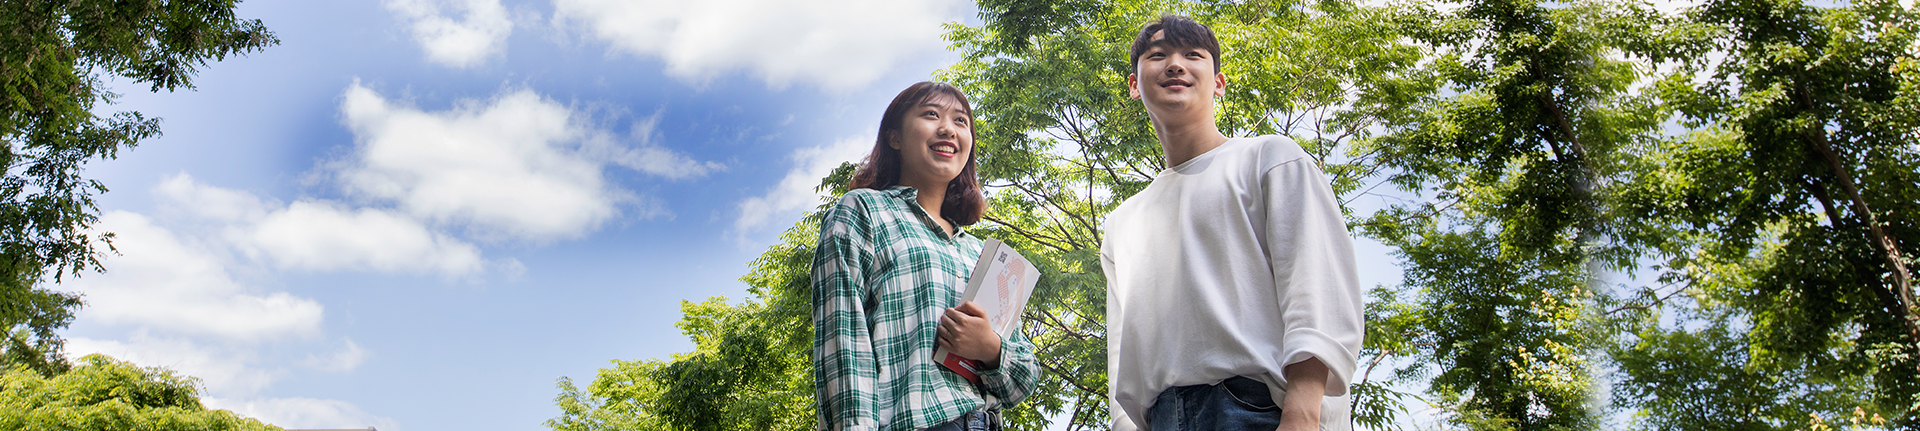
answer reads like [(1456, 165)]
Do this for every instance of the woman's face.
[(935, 141)]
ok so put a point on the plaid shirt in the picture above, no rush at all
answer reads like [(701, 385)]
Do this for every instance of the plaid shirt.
[(882, 275)]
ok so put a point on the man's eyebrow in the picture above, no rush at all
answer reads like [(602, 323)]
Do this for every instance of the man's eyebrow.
[(1167, 44)]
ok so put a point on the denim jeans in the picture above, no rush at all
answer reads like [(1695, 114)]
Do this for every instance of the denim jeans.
[(1238, 403), (972, 421)]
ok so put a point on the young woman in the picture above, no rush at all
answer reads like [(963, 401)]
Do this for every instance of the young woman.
[(887, 278)]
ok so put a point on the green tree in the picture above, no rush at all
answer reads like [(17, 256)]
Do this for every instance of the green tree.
[(109, 395), (54, 59), (1798, 193), (1523, 154), (752, 363)]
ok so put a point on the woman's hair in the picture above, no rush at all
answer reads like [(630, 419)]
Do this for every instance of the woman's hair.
[(964, 202)]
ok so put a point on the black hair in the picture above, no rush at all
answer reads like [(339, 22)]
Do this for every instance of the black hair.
[(1181, 32)]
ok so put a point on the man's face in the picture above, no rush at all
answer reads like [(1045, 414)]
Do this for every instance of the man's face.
[(1175, 80)]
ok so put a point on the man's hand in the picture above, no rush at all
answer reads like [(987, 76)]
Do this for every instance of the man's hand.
[(964, 330), (1306, 387)]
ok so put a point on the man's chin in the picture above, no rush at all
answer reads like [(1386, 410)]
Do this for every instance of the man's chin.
[(1170, 104)]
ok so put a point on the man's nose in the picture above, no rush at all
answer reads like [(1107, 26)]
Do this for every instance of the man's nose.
[(1175, 69)]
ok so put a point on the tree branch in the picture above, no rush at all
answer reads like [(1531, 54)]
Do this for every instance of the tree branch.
[(1038, 238), (1902, 282)]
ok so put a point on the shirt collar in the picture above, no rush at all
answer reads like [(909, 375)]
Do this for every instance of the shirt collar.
[(910, 195)]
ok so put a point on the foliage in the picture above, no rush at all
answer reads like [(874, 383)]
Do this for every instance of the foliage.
[(1798, 197), (1523, 153), (54, 60), (109, 395)]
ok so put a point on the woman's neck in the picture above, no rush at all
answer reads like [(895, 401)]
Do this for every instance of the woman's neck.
[(930, 199)]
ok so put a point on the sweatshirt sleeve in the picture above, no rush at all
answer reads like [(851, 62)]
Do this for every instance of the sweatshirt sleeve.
[(1121, 420), (1313, 270), (844, 372)]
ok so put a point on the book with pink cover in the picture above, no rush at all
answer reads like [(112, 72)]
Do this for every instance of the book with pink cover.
[(1001, 283)]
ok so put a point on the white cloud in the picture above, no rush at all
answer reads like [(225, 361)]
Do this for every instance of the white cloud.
[(518, 166), (837, 44), (158, 280), (481, 32), (796, 191), (345, 360), (226, 371), (318, 235), (648, 157), (307, 413), (180, 192), (182, 308)]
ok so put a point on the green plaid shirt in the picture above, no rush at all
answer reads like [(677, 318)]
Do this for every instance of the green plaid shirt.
[(882, 275)]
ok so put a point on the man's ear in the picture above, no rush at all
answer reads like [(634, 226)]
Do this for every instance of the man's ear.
[(1133, 86), (1219, 85)]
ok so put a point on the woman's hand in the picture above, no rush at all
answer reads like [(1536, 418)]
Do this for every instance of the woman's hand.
[(965, 332)]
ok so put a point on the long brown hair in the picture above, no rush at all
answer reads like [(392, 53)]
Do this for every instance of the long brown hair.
[(964, 202)]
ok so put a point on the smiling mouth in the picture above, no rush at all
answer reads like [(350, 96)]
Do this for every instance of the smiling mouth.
[(946, 149), (1171, 83)]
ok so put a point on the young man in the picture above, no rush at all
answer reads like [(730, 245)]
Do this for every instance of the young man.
[(1232, 298)]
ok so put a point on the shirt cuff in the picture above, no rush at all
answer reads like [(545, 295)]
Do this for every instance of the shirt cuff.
[(1308, 343), (999, 381)]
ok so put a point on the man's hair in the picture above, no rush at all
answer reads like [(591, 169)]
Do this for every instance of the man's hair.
[(964, 203), (1182, 32)]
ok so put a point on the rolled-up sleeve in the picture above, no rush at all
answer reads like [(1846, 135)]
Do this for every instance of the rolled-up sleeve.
[(1315, 279), (844, 372)]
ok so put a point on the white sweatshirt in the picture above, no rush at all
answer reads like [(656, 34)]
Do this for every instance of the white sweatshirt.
[(1235, 263)]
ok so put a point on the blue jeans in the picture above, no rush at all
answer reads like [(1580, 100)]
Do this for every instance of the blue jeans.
[(1238, 403), (972, 421)]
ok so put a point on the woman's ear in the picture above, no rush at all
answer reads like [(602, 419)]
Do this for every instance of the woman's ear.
[(893, 140)]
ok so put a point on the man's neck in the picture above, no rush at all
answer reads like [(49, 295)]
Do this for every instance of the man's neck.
[(1185, 143)]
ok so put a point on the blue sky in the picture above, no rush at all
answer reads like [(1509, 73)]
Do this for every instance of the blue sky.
[(417, 214)]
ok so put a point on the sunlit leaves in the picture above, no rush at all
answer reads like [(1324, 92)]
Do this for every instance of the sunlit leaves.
[(104, 394)]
